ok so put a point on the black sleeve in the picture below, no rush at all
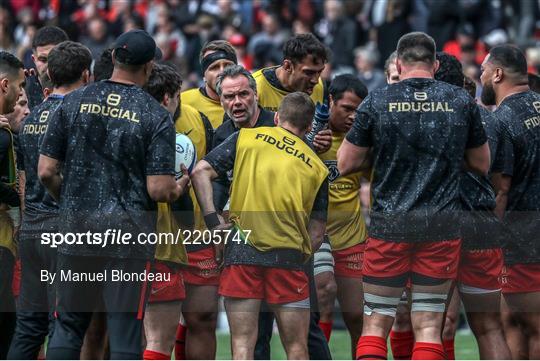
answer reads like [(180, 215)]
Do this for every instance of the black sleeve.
[(223, 156), (5, 141), (504, 158), (9, 196), (54, 142), (477, 134), (320, 206), (20, 155), (161, 152), (220, 188), (209, 133), (360, 132)]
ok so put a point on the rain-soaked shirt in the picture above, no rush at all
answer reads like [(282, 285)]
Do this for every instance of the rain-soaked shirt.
[(519, 157), (39, 205), (110, 136), (481, 228), (418, 130)]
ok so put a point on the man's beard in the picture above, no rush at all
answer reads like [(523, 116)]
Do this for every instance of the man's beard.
[(488, 95)]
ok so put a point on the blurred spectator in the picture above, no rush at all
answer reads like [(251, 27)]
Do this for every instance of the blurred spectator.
[(300, 27), (98, 38), (170, 38), (272, 35), (533, 59), (444, 17), (365, 60), (6, 36), (238, 41), (25, 19), (338, 33), (465, 47), (388, 20)]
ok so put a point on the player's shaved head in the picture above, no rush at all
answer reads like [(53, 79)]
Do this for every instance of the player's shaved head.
[(9, 65), (416, 47), (512, 60), (297, 109)]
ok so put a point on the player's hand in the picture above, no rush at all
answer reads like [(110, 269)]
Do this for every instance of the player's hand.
[(322, 141), (4, 122), (219, 247), (184, 181)]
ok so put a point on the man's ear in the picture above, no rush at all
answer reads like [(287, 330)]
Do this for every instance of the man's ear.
[(287, 65), (436, 66), (85, 76), (276, 118), (331, 101), (498, 75), (166, 100), (4, 85), (398, 66)]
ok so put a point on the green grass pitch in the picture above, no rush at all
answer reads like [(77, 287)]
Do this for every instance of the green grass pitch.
[(465, 345)]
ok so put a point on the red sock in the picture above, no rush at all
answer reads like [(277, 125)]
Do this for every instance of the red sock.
[(154, 355), (428, 351), (402, 344), (180, 344), (371, 348), (326, 328), (449, 349)]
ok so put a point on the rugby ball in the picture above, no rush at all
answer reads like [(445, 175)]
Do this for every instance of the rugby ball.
[(185, 154)]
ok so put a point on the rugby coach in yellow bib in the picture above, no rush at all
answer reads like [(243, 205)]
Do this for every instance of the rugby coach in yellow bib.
[(279, 200)]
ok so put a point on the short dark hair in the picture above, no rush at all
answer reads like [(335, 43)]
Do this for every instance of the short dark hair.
[(391, 59), (67, 61), (164, 79), (300, 46), (297, 109), (534, 82), (470, 86), (49, 35), (232, 71), (450, 69), (103, 67), (510, 58), (347, 82), (9, 64), (416, 47)]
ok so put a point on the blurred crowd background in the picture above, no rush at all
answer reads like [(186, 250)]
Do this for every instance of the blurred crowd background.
[(360, 33)]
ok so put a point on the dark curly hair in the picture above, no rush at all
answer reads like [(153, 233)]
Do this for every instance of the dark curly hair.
[(450, 70)]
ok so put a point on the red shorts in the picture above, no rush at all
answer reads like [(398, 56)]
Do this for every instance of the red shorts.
[(203, 269), (16, 282), (521, 278), (433, 259), (166, 291), (275, 285), (348, 261), (481, 268)]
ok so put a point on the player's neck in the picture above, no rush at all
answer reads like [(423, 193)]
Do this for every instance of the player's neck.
[(283, 78), (2, 106), (211, 93), (253, 120), (289, 127), (509, 90), (415, 73), (66, 89), (120, 76)]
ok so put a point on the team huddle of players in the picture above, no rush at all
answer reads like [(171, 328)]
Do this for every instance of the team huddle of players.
[(455, 195)]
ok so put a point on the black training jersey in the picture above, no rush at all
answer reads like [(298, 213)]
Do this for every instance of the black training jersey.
[(418, 130), (481, 228), (110, 136), (38, 202), (519, 157)]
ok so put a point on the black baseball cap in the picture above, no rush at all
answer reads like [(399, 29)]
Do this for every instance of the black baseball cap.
[(136, 47)]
